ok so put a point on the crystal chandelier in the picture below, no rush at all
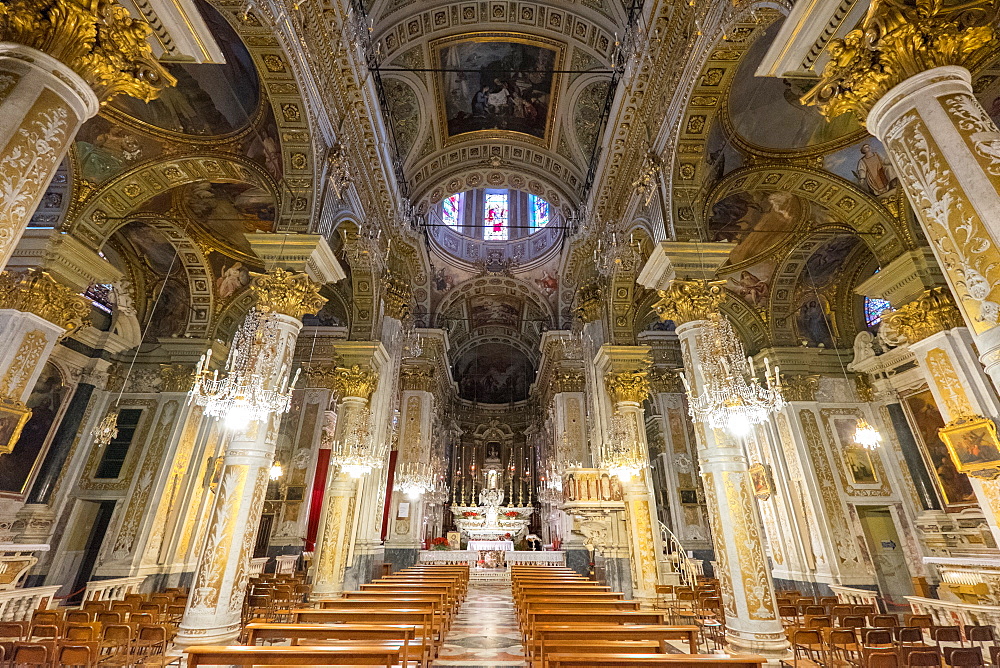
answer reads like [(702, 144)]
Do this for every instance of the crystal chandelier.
[(409, 339), (414, 479), (867, 436), (620, 453), (733, 397), (357, 453), (620, 254), (255, 384), (107, 430)]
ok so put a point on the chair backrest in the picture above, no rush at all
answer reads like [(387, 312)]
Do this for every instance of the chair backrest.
[(45, 617), (980, 633), (820, 622), (884, 620), (864, 610), (30, 653), (842, 637), (878, 637), (966, 656), (923, 658), (11, 630), (883, 660), (109, 617), (77, 617), (75, 655), (814, 610), (911, 634), (788, 611), (853, 622), (923, 621), (153, 632), (44, 631), (95, 606), (828, 600), (117, 632), (141, 618), (80, 632), (807, 637), (841, 610), (946, 634)]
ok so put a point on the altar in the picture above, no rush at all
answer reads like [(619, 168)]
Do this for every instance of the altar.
[(491, 545)]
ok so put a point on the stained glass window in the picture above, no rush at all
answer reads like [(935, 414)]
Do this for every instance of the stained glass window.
[(495, 226), (873, 310), (451, 210), (539, 211)]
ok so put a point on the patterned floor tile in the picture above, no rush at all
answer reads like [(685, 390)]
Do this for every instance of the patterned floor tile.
[(485, 633)]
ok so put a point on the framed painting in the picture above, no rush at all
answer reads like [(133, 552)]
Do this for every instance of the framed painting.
[(13, 416), (926, 423), (497, 83), (972, 442), (760, 480), (857, 459), (689, 497)]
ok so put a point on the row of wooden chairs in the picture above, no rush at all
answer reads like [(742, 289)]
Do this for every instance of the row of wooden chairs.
[(398, 619), (568, 620)]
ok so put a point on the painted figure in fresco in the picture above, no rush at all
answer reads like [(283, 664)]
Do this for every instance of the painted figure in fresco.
[(872, 171), (479, 102), (751, 288), (547, 283), (232, 280)]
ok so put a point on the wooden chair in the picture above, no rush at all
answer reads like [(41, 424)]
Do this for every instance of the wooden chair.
[(241, 655), (76, 655), (964, 657), (882, 659), (30, 654), (844, 649), (808, 648), (922, 659)]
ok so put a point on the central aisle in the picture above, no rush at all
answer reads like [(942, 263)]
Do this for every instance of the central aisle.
[(485, 631)]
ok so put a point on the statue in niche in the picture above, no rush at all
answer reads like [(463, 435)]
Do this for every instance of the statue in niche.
[(493, 450)]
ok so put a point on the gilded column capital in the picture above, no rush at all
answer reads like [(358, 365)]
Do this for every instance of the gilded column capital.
[(627, 386), (589, 301), (568, 380), (176, 377), (97, 39), (932, 312), (667, 382), (287, 292), (896, 41), (800, 387), (687, 301), (35, 291), (414, 377), (359, 380), (321, 376)]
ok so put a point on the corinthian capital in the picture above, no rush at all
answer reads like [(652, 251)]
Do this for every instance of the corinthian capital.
[(34, 291), (627, 386), (359, 380), (97, 39), (932, 312), (898, 40), (287, 292), (688, 301)]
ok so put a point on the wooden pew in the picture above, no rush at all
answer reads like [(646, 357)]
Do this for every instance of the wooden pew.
[(422, 619), (360, 633), (609, 617), (546, 633), (572, 660), (384, 654)]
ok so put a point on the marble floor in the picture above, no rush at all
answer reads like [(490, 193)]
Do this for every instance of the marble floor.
[(485, 631)]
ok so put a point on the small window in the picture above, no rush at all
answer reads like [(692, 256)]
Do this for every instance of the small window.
[(539, 211), (873, 310), (451, 210), (495, 225), (117, 450)]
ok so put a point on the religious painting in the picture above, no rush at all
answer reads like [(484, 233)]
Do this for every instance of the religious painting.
[(229, 276), (768, 111), (954, 487), (813, 323), (45, 404), (973, 444), (494, 81), (857, 458), (228, 211), (547, 283), (866, 165), (761, 481), (825, 261), (750, 287), (208, 99), (167, 304), (442, 279), (13, 416), (494, 310), (756, 221), (104, 149), (263, 145), (689, 497), (494, 374)]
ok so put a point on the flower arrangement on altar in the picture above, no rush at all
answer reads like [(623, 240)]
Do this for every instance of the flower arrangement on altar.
[(470, 513), (507, 536), (511, 514), (439, 543)]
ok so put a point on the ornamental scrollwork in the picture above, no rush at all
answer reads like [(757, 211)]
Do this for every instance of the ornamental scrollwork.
[(35, 291), (688, 301), (632, 386), (898, 40), (932, 312), (99, 40), (287, 292)]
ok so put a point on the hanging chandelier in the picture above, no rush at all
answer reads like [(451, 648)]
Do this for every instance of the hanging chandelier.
[(621, 253), (620, 453), (867, 436), (414, 479), (411, 343), (255, 383), (733, 397), (358, 453), (107, 430)]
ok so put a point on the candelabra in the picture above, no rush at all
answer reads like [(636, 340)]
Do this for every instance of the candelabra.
[(620, 453), (358, 452)]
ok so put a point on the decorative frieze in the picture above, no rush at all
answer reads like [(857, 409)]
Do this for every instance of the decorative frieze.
[(688, 301), (287, 292), (934, 311), (35, 291)]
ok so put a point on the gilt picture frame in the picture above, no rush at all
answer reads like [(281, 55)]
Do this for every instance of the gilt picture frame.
[(13, 416), (761, 481), (973, 445)]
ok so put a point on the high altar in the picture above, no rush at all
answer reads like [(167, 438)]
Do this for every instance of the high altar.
[(491, 528)]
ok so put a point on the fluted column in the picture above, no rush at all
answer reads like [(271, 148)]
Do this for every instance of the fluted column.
[(752, 621), (906, 71), (216, 602), (59, 61), (335, 538)]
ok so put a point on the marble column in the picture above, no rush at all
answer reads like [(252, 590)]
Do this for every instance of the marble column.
[(752, 621), (59, 61), (906, 71), (335, 538), (626, 381), (216, 602)]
